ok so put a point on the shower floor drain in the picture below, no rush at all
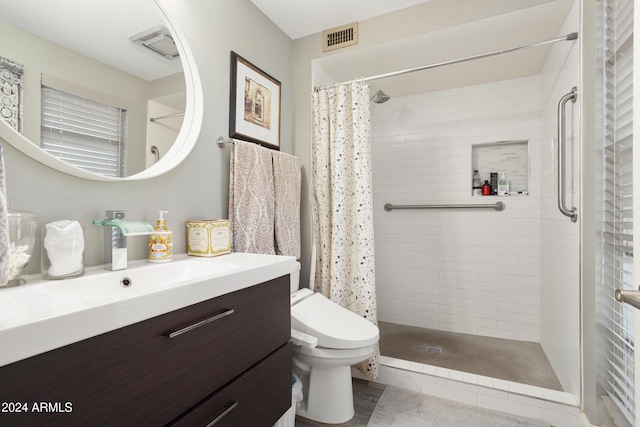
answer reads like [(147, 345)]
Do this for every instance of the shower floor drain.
[(430, 349)]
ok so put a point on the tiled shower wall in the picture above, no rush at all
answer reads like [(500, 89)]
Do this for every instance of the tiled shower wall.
[(464, 270)]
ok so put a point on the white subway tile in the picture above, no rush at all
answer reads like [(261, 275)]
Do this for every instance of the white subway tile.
[(464, 264)]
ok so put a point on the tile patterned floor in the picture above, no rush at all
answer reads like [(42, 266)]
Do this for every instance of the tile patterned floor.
[(365, 398)]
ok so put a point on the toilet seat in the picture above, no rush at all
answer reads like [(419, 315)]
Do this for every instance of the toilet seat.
[(334, 326), (334, 353)]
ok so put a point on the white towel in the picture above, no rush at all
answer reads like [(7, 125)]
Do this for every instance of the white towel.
[(287, 180), (251, 198), (5, 243), (64, 243)]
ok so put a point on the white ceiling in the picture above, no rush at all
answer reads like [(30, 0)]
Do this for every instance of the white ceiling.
[(452, 30), (304, 17), (532, 21), (99, 29)]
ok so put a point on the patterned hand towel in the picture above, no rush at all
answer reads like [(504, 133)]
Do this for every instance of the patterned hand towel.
[(251, 198), (287, 182)]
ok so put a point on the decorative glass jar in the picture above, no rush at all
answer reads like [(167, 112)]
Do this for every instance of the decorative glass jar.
[(22, 235)]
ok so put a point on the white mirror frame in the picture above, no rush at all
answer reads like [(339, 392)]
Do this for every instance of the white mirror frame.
[(185, 140)]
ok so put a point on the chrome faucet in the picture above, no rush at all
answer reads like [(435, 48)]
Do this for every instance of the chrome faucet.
[(117, 228)]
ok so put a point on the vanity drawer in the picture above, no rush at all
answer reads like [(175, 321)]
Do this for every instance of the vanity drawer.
[(258, 397), (137, 375)]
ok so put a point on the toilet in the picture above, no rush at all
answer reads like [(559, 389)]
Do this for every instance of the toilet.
[(327, 340)]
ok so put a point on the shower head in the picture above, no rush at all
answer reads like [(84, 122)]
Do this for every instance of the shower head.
[(379, 97)]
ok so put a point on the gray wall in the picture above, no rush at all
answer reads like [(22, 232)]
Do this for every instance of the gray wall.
[(196, 189)]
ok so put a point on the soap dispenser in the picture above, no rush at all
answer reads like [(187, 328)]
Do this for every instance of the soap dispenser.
[(161, 241)]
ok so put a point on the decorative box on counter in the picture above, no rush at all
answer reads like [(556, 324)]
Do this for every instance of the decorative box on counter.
[(208, 237)]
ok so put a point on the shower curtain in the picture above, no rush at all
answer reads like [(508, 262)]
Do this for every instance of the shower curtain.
[(344, 269)]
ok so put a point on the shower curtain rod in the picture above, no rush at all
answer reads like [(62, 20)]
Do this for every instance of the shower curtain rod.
[(168, 116), (568, 37)]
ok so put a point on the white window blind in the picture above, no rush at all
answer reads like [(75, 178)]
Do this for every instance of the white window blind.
[(618, 201), (86, 133)]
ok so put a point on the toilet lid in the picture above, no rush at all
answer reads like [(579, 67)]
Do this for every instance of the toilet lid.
[(333, 325)]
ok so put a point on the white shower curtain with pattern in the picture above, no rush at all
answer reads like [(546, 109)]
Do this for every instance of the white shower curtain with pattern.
[(342, 203)]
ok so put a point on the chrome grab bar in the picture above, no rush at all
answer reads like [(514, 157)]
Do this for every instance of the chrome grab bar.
[(573, 212), (499, 206), (630, 297)]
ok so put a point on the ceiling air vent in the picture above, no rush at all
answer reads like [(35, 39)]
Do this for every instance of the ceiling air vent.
[(158, 40), (339, 37)]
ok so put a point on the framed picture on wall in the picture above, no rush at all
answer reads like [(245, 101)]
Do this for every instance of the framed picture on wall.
[(254, 112), (12, 93)]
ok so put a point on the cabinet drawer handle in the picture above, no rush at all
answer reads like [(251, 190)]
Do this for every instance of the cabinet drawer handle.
[(230, 405), (225, 313)]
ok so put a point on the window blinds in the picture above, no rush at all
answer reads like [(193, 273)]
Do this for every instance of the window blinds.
[(618, 201), (86, 133)]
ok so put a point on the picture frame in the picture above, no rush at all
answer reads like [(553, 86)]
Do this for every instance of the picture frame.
[(12, 94), (254, 110)]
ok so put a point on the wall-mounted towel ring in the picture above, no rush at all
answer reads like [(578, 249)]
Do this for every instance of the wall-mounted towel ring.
[(573, 212)]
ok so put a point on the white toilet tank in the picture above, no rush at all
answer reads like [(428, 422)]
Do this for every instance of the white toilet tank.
[(295, 279)]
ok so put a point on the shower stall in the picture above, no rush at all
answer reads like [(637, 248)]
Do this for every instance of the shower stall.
[(483, 287), (510, 274), (489, 290)]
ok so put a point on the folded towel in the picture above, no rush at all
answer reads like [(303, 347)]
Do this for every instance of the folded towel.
[(287, 180), (5, 243), (251, 198), (64, 243)]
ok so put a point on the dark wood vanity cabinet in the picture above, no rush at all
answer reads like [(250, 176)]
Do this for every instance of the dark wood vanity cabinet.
[(227, 358)]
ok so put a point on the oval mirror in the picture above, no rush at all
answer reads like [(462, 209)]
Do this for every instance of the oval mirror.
[(126, 56)]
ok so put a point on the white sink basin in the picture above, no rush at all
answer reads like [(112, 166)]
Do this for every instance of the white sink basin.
[(46, 314), (138, 279)]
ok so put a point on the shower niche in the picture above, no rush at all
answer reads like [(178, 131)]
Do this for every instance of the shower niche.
[(510, 157)]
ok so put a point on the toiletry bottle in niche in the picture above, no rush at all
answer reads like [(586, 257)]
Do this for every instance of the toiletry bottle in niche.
[(486, 189), (161, 241), (503, 185), (476, 184), (493, 182)]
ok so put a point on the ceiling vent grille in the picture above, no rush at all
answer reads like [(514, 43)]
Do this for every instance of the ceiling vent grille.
[(340, 37), (158, 40)]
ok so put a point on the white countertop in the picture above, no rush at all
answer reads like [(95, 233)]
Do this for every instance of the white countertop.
[(43, 315)]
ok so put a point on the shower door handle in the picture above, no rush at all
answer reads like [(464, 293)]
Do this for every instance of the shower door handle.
[(630, 297), (573, 212)]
